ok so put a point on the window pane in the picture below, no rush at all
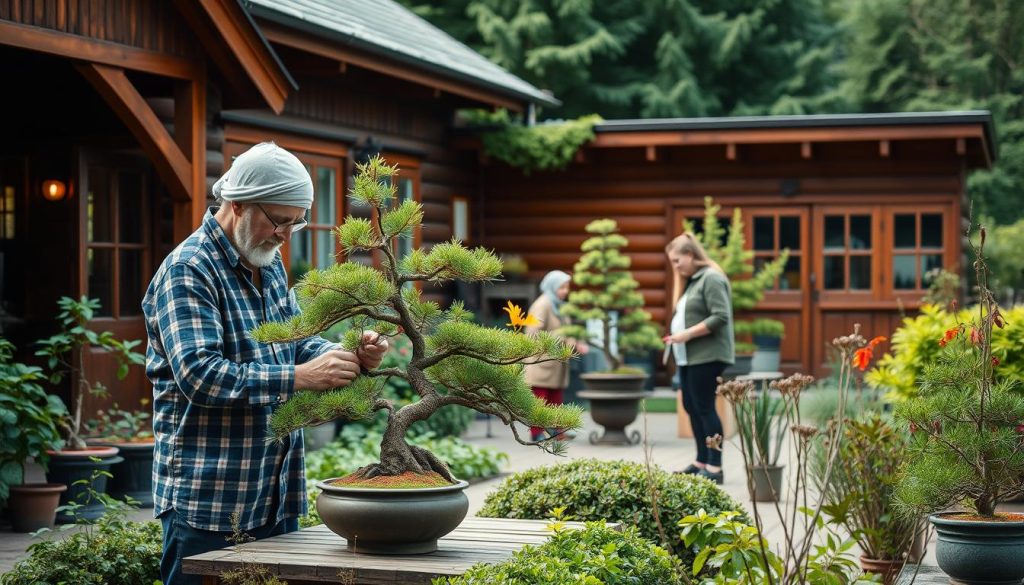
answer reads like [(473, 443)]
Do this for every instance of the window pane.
[(98, 211), (860, 272), (789, 233), (904, 230), (9, 226), (764, 233), (929, 262), (404, 190), (904, 272), (130, 281), (101, 278), (460, 219), (324, 247), (834, 232), (129, 195), (790, 279), (326, 201), (860, 232), (834, 273), (931, 230), (302, 254), (8, 201)]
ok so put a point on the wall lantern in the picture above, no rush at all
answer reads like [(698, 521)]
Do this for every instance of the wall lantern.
[(54, 190)]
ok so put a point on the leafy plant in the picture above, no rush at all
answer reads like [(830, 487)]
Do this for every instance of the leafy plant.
[(609, 295), (762, 424), (916, 344), (115, 424), (477, 367), (594, 555), (943, 287), (860, 495), (540, 147), (65, 355), (514, 265), (29, 419), (965, 423), (736, 261), (616, 491)]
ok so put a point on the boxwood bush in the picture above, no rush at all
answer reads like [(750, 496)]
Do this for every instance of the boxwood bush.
[(615, 491), (594, 555)]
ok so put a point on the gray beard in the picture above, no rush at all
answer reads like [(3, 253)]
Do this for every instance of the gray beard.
[(258, 254)]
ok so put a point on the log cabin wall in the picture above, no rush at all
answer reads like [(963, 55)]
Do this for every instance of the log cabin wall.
[(797, 194)]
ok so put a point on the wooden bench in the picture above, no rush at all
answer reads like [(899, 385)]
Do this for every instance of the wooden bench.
[(317, 555)]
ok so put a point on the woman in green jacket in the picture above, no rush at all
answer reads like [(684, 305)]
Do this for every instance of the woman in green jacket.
[(701, 334)]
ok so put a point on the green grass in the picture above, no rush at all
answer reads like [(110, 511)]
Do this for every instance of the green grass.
[(660, 404)]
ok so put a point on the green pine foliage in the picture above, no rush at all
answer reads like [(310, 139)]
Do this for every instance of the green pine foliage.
[(736, 260), (608, 293), (475, 367)]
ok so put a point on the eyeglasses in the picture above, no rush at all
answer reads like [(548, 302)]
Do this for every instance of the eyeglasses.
[(280, 228)]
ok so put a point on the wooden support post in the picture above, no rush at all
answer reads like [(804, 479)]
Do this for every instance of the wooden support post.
[(883, 148), (805, 150), (730, 151), (190, 135), (652, 153)]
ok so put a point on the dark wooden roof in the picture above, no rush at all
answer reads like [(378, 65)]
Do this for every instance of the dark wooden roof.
[(385, 28)]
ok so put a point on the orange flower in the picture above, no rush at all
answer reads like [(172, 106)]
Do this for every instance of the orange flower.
[(517, 319), (876, 341), (949, 335), (862, 357)]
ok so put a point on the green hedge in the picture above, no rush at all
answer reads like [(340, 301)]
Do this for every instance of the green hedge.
[(594, 555), (615, 491)]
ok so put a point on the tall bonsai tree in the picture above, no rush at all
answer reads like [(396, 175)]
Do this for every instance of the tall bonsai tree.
[(609, 294), (736, 260), (477, 367)]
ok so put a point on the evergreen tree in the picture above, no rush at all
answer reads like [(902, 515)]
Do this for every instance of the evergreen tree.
[(480, 368), (609, 295)]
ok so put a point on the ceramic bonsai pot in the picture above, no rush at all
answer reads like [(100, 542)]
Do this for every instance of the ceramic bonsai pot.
[(392, 521), (34, 505), (980, 552), (767, 483), (604, 382), (69, 467)]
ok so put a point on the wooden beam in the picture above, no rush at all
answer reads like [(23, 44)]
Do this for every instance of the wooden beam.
[(785, 135), (652, 153), (883, 148), (79, 48), (805, 150), (122, 97), (345, 54), (961, 147), (190, 136), (730, 151)]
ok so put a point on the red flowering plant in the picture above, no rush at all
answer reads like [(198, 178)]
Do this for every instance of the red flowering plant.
[(967, 446)]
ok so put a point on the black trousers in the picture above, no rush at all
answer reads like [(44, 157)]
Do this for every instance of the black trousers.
[(699, 383)]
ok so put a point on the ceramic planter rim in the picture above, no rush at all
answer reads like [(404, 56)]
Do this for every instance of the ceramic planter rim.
[(611, 376), (339, 489), (944, 517)]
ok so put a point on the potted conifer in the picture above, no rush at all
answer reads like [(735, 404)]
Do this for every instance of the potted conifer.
[(607, 294), (65, 355), (409, 499), (967, 449)]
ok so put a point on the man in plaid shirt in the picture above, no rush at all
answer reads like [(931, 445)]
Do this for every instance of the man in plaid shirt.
[(214, 387)]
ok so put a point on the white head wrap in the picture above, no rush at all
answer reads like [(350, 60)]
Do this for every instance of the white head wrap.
[(266, 173), (550, 285)]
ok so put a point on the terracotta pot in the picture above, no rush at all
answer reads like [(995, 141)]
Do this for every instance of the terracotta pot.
[(392, 521), (34, 505), (889, 570)]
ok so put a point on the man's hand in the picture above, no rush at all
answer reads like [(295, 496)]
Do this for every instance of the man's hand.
[(371, 351), (333, 369)]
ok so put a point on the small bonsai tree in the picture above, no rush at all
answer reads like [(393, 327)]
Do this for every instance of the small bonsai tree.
[(736, 260), (65, 354), (474, 366), (609, 294), (966, 422)]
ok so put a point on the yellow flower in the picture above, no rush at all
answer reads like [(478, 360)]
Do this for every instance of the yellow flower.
[(517, 319)]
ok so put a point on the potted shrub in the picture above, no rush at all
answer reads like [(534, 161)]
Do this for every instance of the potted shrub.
[(65, 355), (29, 421), (967, 452), (860, 494), (132, 433), (762, 424), (607, 293), (767, 338), (409, 499)]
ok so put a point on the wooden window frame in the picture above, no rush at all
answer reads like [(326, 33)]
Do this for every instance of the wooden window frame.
[(777, 297), (847, 295), (948, 251)]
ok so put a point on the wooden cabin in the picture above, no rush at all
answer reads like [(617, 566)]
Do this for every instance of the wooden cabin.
[(866, 204)]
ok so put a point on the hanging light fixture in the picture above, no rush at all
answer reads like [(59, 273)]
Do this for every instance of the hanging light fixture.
[(54, 190)]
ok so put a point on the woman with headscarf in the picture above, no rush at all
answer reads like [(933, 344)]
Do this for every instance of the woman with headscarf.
[(550, 379), (701, 334)]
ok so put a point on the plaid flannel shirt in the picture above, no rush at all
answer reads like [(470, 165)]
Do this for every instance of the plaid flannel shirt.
[(215, 388)]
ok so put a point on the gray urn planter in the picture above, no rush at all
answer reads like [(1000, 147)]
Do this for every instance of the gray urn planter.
[(978, 552), (392, 521), (613, 411), (600, 382)]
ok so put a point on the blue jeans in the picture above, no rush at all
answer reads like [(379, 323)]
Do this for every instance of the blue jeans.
[(182, 540)]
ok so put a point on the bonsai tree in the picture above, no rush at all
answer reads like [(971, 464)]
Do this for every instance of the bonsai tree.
[(748, 285), (29, 418), (65, 354), (609, 294), (453, 360), (966, 421)]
